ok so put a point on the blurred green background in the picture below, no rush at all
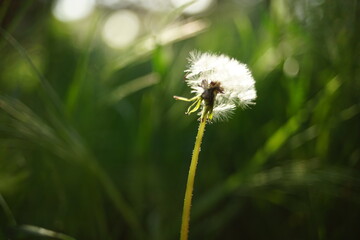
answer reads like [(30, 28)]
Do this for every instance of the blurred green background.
[(92, 144)]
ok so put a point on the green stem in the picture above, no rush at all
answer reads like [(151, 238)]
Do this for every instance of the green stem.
[(190, 181)]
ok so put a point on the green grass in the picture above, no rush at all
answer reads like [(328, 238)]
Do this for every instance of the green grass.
[(93, 146)]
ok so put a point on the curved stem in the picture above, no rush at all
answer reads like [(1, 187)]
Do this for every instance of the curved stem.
[(190, 181)]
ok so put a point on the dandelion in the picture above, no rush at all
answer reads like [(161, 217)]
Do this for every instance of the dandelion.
[(220, 84)]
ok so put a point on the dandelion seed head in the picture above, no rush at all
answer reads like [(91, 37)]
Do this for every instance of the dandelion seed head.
[(223, 112), (233, 77)]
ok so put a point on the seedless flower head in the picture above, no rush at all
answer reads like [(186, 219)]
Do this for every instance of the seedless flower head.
[(219, 83)]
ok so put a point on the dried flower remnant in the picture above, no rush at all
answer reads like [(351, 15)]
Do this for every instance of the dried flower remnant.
[(219, 83)]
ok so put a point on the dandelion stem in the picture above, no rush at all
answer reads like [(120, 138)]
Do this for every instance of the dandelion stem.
[(190, 181)]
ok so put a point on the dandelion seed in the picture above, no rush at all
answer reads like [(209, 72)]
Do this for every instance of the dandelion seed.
[(220, 84)]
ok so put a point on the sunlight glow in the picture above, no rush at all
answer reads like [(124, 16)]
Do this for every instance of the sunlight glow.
[(197, 7), (72, 10)]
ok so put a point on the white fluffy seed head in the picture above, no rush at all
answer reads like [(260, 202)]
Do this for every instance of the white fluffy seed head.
[(234, 78)]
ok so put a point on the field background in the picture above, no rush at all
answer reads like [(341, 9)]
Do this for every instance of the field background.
[(92, 144)]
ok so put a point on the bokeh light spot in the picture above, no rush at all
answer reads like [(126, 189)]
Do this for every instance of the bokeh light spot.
[(121, 29), (291, 67), (72, 10)]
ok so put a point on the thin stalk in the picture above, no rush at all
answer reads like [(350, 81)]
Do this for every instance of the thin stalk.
[(10, 217), (48, 90), (190, 181)]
